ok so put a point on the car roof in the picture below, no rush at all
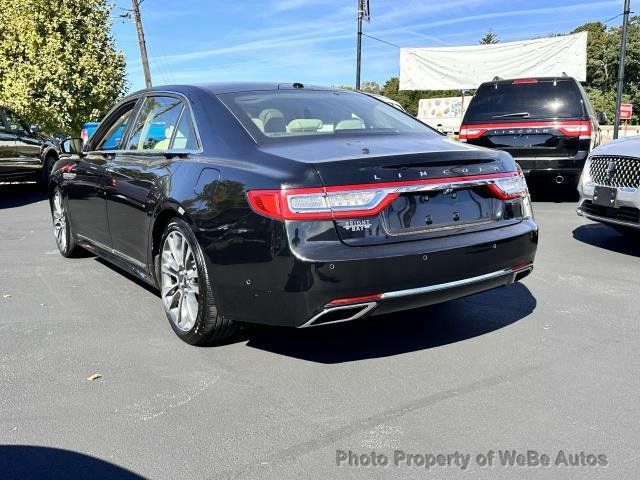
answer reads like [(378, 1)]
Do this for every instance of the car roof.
[(503, 81), (231, 87)]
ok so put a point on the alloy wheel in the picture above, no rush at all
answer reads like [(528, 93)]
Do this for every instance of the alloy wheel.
[(59, 221), (179, 281)]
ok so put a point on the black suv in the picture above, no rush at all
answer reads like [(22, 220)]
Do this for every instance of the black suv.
[(25, 153), (547, 124)]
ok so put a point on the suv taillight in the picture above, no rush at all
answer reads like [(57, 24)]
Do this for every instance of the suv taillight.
[(581, 129), (468, 132)]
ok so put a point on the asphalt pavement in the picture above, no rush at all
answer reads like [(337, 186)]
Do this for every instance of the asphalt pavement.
[(550, 366)]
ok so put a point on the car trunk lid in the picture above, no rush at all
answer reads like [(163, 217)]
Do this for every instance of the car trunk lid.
[(439, 186)]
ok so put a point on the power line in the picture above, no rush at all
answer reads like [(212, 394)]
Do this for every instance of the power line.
[(380, 40), (612, 18)]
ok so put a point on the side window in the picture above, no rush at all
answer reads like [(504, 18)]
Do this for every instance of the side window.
[(155, 125), (14, 123), (112, 139), (185, 138)]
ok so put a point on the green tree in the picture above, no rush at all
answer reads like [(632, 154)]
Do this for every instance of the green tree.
[(370, 87), (58, 63), (489, 38), (603, 49)]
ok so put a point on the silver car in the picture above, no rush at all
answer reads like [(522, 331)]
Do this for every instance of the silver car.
[(610, 184)]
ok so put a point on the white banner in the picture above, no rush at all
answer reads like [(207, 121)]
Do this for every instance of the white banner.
[(459, 68)]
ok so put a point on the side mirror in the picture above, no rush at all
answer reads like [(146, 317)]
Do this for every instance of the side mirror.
[(602, 117), (71, 146), (35, 128)]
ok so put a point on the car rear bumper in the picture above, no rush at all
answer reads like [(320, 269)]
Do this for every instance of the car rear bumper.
[(399, 300), (540, 166), (298, 287)]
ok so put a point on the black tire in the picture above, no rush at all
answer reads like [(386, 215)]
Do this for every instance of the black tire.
[(210, 326), (47, 166), (65, 240)]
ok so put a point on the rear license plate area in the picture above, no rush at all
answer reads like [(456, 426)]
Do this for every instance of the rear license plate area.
[(605, 196), (440, 210)]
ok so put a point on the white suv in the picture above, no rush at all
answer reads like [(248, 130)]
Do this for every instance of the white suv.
[(610, 184)]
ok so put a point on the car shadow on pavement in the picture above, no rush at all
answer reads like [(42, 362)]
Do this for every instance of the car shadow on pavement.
[(604, 236), (402, 332), (126, 274), (19, 194), (28, 462)]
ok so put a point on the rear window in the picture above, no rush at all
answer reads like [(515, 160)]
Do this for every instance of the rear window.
[(548, 99), (290, 114)]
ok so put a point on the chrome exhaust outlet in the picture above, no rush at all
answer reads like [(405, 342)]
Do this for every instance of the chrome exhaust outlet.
[(343, 313), (520, 274), (559, 179)]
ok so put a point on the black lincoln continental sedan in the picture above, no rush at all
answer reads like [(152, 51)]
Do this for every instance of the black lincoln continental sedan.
[(287, 204)]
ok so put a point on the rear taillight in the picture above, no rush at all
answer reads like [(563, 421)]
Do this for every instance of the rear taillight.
[(353, 201), (320, 203), (581, 129), (510, 188), (469, 133)]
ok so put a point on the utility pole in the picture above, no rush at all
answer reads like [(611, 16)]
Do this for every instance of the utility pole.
[(359, 50), (623, 49), (143, 45)]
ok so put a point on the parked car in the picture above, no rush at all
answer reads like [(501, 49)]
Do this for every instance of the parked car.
[(610, 185), (547, 124), (289, 205), (25, 152)]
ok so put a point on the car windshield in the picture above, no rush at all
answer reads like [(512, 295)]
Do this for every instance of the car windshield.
[(545, 99), (290, 114)]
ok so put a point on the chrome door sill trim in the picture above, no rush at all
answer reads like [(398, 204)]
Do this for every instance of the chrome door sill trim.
[(113, 251)]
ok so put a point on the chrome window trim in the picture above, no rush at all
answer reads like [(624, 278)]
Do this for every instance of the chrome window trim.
[(156, 93)]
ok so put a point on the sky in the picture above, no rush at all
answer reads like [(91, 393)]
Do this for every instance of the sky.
[(314, 41)]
